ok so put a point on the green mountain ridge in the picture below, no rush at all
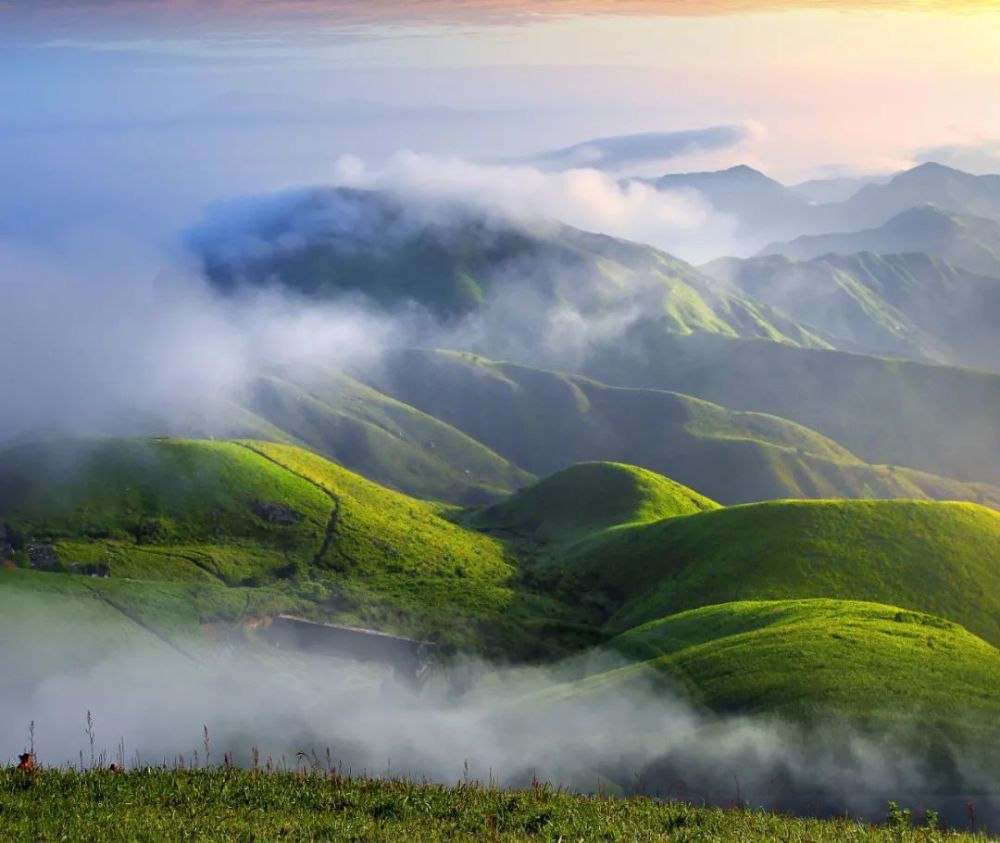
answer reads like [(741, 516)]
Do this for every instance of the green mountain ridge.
[(907, 305), (544, 421), (453, 260)]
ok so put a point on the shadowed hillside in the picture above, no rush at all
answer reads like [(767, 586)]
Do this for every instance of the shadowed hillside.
[(544, 421)]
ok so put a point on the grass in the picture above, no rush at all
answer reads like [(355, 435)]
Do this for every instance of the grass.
[(588, 497), (861, 661), (587, 554), (545, 421), (931, 418), (229, 804), (939, 558), (195, 532), (380, 438), (409, 568)]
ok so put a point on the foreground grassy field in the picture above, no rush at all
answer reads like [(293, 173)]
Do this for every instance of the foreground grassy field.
[(240, 805)]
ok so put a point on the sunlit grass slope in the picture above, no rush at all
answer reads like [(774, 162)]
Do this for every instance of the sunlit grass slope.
[(588, 497), (191, 538), (940, 558), (405, 565), (184, 532), (800, 658), (381, 438)]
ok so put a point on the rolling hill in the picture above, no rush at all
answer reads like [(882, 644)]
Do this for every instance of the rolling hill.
[(939, 558), (177, 544), (932, 418), (906, 305), (587, 497), (857, 659)]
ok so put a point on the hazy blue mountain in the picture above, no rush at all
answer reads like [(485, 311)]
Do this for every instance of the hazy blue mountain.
[(972, 243), (947, 188), (910, 305), (763, 207)]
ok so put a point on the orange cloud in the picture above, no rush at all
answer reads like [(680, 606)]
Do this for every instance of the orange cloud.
[(374, 11)]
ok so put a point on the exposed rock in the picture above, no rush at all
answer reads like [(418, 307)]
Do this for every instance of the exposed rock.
[(43, 557), (276, 513)]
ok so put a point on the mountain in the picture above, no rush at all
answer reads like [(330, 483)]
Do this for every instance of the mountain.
[(759, 203), (934, 184), (764, 208), (932, 418), (971, 243), (908, 305), (544, 421), (555, 298), (453, 261)]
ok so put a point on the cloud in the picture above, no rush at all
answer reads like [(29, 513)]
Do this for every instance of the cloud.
[(682, 222), (263, 16), (621, 151), (103, 338), (508, 726)]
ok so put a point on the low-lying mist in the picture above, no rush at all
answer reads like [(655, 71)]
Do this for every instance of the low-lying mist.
[(507, 726)]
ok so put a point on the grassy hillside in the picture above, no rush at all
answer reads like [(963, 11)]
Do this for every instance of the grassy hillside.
[(383, 439), (587, 497), (545, 421), (174, 543), (939, 558), (453, 260), (868, 662), (888, 412), (910, 305), (183, 532), (222, 805), (205, 509)]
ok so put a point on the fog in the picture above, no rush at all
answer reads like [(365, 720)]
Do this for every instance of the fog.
[(507, 727), (111, 325)]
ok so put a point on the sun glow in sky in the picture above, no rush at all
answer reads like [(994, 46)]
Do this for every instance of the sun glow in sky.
[(826, 86)]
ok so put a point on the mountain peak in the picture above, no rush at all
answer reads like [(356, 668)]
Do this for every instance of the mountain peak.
[(930, 170)]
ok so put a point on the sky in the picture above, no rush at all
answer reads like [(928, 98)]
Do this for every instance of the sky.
[(173, 103)]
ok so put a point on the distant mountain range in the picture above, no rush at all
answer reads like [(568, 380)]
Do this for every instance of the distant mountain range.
[(910, 305), (766, 209), (769, 335)]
